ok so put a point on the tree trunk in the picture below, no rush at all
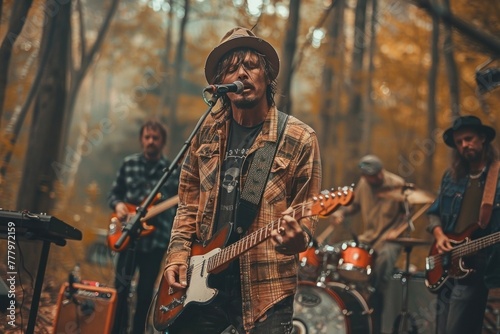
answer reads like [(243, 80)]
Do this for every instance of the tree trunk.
[(13, 129), (287, 56), (68, 164), (331, 92), (451, 66), (168, 65), (431, 104), (177, 78), (355, 111), (368, 110), (37, 192), (19, 13)]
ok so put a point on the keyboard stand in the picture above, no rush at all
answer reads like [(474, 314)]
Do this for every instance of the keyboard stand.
[(42, 265), (40, 227)]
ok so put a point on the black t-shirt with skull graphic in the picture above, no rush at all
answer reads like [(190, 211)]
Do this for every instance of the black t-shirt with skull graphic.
[(240, 140)]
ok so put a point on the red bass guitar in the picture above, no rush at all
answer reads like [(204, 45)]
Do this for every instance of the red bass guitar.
[(440, 267)]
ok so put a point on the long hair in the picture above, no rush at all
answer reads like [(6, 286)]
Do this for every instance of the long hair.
[(236, 58), (460, 166)]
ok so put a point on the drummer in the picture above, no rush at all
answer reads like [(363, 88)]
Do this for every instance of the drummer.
[(381, 216)]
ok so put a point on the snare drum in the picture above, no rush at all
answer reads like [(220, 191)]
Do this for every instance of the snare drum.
[(335, 309), (355, 261)]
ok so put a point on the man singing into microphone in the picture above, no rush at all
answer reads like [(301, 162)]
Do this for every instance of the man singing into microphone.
[(256, 291)]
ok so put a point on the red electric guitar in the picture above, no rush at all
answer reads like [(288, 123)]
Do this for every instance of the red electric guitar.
[(210, 258), (116, 225), (440, 267)]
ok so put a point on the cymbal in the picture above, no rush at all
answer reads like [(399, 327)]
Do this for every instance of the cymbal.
[(409, 242), (413, 196)]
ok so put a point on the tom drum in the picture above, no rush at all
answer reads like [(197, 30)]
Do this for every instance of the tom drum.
[(355, 261)]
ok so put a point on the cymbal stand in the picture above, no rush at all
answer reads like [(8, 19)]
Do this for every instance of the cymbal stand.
[(408, 218), (404, 318)]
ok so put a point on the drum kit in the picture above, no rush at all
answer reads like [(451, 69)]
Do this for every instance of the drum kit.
[(334, 281), (330, 297)]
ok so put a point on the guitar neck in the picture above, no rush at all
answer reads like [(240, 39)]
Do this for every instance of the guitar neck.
[(243, 245), (476, 245), (159, 208)]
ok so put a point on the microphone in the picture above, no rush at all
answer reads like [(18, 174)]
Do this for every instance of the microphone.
[(235, 87)]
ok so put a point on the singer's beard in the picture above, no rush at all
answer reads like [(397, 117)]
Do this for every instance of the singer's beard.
[(246, 103)]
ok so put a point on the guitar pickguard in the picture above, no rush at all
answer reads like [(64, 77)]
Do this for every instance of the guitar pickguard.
[(198, 290)]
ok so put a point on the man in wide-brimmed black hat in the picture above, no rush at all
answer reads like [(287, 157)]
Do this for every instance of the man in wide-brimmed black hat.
[(220, 191), (462, 210)]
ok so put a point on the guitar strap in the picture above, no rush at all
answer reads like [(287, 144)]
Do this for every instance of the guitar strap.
[(258, 174), (488, 194)]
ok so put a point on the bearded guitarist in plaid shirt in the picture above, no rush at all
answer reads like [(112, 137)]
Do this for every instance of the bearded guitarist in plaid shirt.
[(137, 176)]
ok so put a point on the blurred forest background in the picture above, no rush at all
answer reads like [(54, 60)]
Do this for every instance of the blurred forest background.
[(77, 79)]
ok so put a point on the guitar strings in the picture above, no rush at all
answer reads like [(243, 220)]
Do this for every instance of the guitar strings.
[(461, 250), (212, 265)]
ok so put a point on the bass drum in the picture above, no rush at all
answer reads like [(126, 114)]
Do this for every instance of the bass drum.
[(317, 310), (323, 310), (355, 308)]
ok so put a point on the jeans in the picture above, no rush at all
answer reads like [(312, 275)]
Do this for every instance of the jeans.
[(460, 307)]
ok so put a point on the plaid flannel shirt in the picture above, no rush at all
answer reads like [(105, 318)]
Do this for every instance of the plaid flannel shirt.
[(133, 184), (267, 276)]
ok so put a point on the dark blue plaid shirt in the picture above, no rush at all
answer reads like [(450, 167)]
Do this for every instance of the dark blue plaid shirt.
[(134, 181)]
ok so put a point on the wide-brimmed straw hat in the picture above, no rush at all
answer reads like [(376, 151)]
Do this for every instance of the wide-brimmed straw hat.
[(468, 122), (240, 38)]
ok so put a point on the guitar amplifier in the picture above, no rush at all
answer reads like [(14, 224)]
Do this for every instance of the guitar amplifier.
[(421, 303), (85, 309)]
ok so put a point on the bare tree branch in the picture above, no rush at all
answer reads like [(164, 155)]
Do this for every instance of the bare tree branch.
[(490, 44)]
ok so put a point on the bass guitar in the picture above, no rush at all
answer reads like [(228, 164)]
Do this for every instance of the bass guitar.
[(440, 267), (116, 225), (210, 258)]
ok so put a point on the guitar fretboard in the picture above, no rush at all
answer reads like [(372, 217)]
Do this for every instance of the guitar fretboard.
[(475, 245), (236, 249)]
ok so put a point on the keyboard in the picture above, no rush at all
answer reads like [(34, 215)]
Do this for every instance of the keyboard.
[(37, 227)]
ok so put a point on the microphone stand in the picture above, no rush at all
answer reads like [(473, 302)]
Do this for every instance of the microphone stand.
[(134, 227)]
